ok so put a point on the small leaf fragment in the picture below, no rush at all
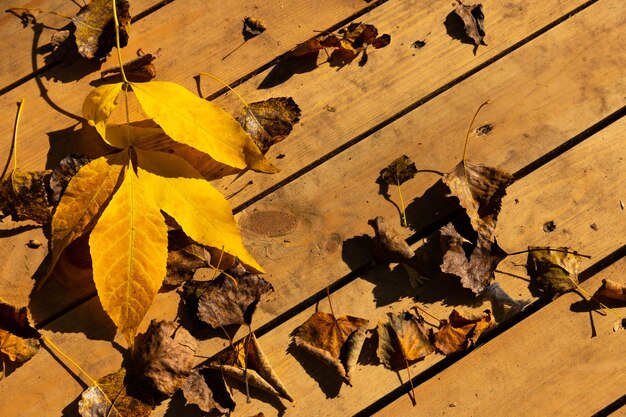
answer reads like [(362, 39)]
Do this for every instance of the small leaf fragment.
[(99, 104), (474, 21), (389, 247), (252, 27), (336, 341), (611, 290), (269, 122), (206, 388), (23, 196), (140, 69), (458, 333), (399, 171), (19, 341), (62, 174), (184, 257), (402, 340), (554, 271), (95, 31), (165, 355)]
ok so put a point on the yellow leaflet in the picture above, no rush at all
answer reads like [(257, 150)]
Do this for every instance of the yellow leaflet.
[(201, 210), (122, 136), (99, 104), (83, 200), (129, 254), (196, 122)]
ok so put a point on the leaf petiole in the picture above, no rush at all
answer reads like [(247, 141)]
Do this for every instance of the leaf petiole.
[(117, 41), (469, 129)]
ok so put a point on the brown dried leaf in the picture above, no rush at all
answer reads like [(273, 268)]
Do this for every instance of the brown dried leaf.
[(402, 341), (480, 190), (554, 271), (477, 272), (246, 362), (165, 355), (336, 341), (140, 69), (269, 122), (252, 27), (611, 290), (474, 21), (23, 196), (61, 175), (399, 171), (206, 388), (117, 389), (19, 341), (222, 302), (459, 333), (389, 247), (95, 30), (184, 257)]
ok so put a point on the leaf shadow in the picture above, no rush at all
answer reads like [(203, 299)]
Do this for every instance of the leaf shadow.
[(288, 67), (78, 139), (178, 407), (456, 29), (327, 378), (433, 205)]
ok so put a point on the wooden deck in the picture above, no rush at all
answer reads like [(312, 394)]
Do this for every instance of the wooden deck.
[(555, 74)]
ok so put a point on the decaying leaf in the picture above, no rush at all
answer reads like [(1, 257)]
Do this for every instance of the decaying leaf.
[(458, 333), (501, 300), (223, 302), (402, 341), (252, 27), (389, 247), (165, 355), (246, 362), (120, 391), (140, 69), (95, 31), (554, 271), (480, 190), (61, 175), (474, 21), (336, 341), (399, 171), (611, 290), (206, 388), (269, 122), (19, 341), (184, 257), (477, 272), (23, 196)]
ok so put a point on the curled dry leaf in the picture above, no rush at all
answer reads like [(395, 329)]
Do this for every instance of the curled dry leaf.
[(118, 389), (336, 341), (399, 171), (611, 290), (184, 257), (477, 272), (206, 388), (61, 175), (19, 341), (245, 361), (139, 69), (402, 341), (252, 27), (473, 20), (458, 333), (95, 31), (23, 196), (389, 247), (554, 271), (269, 122), (165, 355)]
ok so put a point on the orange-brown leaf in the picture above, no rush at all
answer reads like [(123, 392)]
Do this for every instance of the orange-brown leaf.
[(458, 332), (402, 340)]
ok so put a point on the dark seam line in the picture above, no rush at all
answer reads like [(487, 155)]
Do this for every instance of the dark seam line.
[(611, 408), (410, 108), (536, 306)]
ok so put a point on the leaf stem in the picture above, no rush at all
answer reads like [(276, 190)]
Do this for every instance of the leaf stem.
[(206, 74), (416, 307), (117, 41), (547, 250), (469, 129), (15, 129), (602, 306), (403, 211), (330, 303), (408, 372)]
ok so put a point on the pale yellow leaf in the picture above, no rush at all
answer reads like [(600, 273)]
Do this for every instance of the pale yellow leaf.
[(84, 199), (99, 104), (196, 122), (122, 136), (201, 210), (129, 254)]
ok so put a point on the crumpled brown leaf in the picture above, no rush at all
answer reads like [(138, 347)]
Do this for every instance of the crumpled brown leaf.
[(165, 355), (115, 385), (252, 27), (402, 341), (389, 247), (269, 122), (19, 341), (206, 388), (184, 257), (336, 341), (474, 21), (477, 272), (140, 69), (222, 302), (554, 271), (458, 333), (62, 174), (95, 30), (246, 362), (611, 290), (23, 196), (399, 171)]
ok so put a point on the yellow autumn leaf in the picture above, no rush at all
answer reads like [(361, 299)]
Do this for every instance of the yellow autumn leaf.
[(124, 135), (201, 210), (196, 122), (99, 104), (129, 254), (84, 198)]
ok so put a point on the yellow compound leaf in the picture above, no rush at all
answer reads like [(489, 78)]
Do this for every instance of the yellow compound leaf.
[(201, 210), (99, 104), (129, 254), (196, 122), (84, 199)]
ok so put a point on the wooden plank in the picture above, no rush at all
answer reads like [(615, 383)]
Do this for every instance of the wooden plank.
[(322, 266), (546, 365), (27, 46)]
